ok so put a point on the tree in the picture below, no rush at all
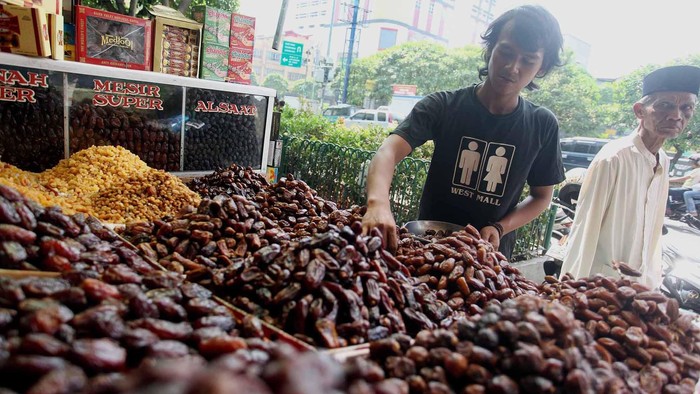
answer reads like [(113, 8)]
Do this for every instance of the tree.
[(304, 87), (429, 66), (139, 7), (277, 82), (574, 96)]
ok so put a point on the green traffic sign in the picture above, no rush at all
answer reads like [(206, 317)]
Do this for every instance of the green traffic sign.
[(291, 54)]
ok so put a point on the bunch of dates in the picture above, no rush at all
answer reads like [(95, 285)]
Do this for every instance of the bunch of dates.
[(261, 368), (298, 209), (334, 289), (233, 180), (462, 269), (219, 233), (36, 238), (522, 345), (66, 334), (639, 329)]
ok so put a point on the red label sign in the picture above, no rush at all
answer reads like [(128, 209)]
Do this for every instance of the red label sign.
[(126, 95), (406, 90)]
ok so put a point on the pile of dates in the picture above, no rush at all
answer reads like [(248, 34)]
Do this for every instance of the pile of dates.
[(36, 238), (217, 138), (66, 334), (31, 133), (156, 143), (525, 345), (462, 269), (299, 211), (217, 234), (639, 329), (334, 289), (261, 368), (233, 180)]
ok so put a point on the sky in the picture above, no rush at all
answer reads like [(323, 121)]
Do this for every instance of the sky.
[(624, 34)]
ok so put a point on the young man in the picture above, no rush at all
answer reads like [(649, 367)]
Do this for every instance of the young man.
[(488, 140), (621, 206)]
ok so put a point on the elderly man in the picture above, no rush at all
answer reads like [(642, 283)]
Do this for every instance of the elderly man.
[(622, 201)]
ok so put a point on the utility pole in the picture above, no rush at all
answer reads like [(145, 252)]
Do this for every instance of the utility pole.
[(280, 25), (351, 46)]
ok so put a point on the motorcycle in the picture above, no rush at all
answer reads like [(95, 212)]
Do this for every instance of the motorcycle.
[(676, 211), (565, 201)]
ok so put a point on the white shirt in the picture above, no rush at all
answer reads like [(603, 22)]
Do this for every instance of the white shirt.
[(620, 213)]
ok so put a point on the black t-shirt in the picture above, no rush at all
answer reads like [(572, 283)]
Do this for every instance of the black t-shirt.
[(481, 161)]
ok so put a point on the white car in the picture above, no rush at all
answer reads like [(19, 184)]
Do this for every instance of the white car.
[(367, 117)]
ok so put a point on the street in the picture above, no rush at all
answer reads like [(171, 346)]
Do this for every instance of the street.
[(681, 244)]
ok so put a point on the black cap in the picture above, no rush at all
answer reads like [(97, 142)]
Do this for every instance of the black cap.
[(672, 79)]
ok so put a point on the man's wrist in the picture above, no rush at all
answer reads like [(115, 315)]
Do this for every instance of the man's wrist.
[(497, 226)]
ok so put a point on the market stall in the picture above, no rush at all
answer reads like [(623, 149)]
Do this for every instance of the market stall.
[(141, 248), (50, 110)]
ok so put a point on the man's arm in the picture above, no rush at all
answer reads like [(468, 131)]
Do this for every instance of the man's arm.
[(679, 179), (527, 210), (381, 172)]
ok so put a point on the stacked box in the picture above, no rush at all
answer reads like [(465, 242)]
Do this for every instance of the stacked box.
[(24, 31), (69, 41), (113, 39), (56, 36), (216, 24), (49, 6), (241, 49), (214, 62), (177, 41)]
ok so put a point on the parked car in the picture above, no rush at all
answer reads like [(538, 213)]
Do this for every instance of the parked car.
[(367, 117), (578, 152), (334, 112)]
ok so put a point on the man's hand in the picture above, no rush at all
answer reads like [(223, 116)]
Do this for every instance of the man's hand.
[(490, 234), (380, 217)]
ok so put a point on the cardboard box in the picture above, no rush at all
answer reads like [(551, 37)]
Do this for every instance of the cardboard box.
[(112, 39), (242, 31), (216, 24), (24, 31), (52, 6), (176, 42), (56, 36), (214, 65), (69, 41), (240, 66)]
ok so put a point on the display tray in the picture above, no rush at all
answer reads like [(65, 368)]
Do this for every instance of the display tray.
[(20, 274), (343, 354), (271, 332)]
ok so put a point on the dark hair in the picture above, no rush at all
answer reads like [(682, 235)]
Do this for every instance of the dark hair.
[(533, 28)]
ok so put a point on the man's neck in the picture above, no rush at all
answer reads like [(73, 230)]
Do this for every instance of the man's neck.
[(494, 103), (652, 143)]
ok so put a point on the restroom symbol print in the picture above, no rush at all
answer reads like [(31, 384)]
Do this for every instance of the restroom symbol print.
[(468, 164), (483, 166), (495, 169)]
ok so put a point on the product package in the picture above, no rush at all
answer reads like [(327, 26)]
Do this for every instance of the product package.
[(240, 65), (176, 42), (24, 31), (113, 39), (51, 6), (56, 36), (214, 62), (69, 41), (216, 24)]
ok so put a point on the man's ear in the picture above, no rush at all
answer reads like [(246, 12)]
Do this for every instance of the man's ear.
[(639, 110)]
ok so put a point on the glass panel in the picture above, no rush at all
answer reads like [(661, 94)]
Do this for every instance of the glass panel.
[(223, 128), (31, 118), (143, 117)]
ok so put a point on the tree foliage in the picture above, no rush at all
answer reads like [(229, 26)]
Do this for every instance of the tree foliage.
[(277, 82), (140, 7), (429, 66)]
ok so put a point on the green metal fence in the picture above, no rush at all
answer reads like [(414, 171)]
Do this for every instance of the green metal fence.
[(338, 174)]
